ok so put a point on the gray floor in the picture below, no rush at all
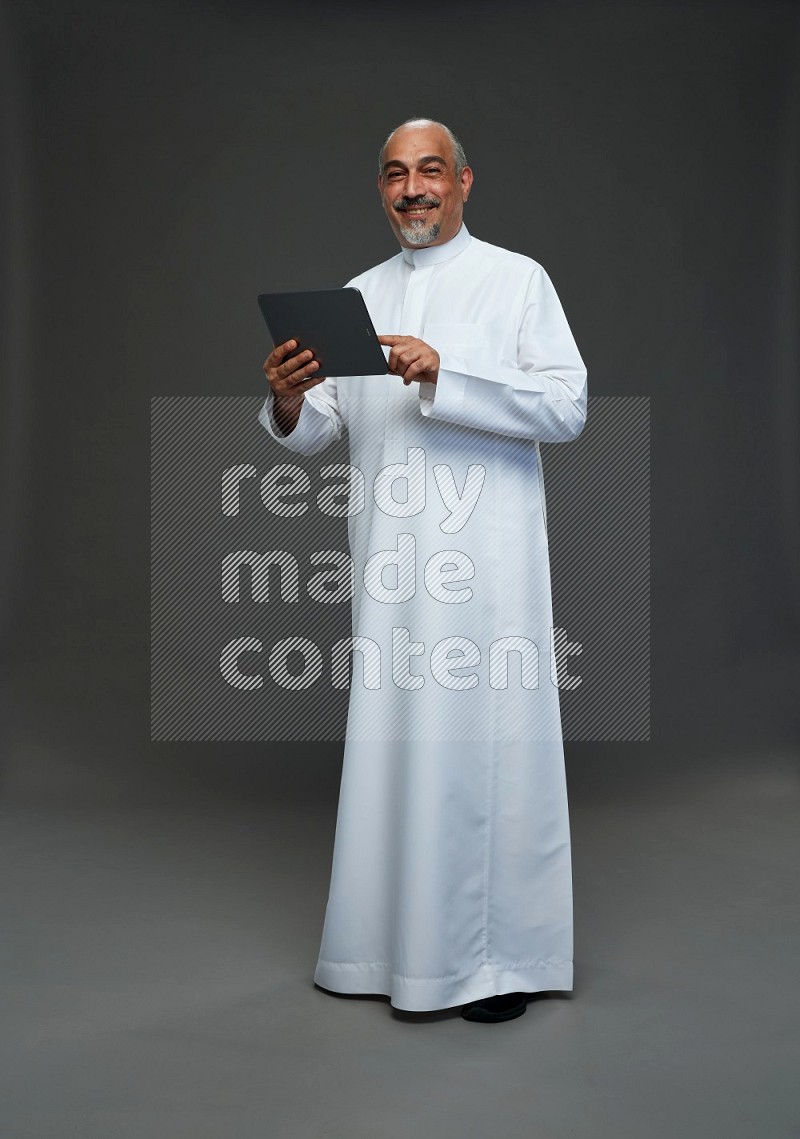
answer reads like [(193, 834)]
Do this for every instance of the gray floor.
[(159, 963)]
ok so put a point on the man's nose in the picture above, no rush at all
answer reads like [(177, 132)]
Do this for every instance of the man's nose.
[(414, 186)]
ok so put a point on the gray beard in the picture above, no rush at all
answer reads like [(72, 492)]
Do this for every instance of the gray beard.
[(417, 233)]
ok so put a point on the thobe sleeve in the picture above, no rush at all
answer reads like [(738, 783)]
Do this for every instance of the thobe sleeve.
[(319, 424), (539, 395)]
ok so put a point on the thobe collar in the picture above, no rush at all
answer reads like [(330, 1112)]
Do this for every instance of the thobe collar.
[(423, 257)]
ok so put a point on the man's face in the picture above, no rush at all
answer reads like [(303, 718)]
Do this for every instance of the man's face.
[(423, 199)]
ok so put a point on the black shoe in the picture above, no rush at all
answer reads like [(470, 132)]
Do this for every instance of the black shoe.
[(503, 1007)]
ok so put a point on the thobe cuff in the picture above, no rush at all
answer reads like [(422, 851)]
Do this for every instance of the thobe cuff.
[(443, 399), (313, 430), (508, 401)]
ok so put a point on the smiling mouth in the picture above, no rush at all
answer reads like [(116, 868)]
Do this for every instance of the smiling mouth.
[(415, 209)]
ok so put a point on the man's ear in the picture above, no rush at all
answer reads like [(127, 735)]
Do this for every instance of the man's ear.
[(466, 183)]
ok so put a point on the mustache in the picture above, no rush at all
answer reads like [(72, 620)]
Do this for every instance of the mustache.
[(420, 200)]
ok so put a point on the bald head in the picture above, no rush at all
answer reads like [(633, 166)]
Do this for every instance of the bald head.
[(457, 154)]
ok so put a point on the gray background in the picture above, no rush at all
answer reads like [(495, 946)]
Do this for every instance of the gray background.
[(165, 163)]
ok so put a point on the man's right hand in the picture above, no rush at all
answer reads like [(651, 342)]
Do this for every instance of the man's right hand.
[(289, 379)]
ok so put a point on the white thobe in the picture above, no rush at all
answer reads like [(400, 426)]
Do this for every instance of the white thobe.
[(451, 876)]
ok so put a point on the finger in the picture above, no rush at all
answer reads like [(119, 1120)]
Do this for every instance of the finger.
[(288, 385), (409, 355), (296, 362), (283, 350), (397, 365), (414, 371), (304, 385), (407, 360), (278, 354), (390, 341), (300, 375)]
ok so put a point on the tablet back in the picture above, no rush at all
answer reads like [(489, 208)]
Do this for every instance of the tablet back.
[(333, 323)]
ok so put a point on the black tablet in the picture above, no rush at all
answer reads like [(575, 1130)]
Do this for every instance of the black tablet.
[(333, 323)]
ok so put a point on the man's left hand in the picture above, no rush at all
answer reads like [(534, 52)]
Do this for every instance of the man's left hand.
[(412, 359)]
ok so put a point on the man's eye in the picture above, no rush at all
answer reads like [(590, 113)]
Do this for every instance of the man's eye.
[(432, 170)]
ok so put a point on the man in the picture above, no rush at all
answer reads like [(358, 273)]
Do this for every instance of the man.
[(451, 878)]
